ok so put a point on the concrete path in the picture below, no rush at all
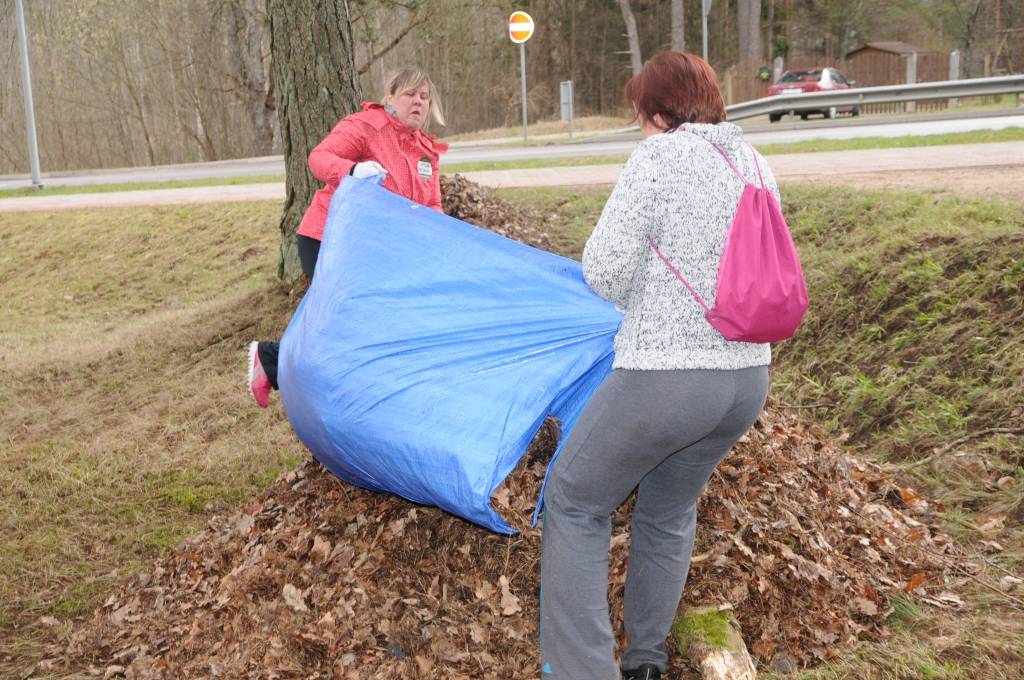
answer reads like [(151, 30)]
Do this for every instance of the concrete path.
[(802, 166)]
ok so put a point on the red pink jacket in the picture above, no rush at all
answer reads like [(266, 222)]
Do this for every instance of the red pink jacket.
[(411, 157)]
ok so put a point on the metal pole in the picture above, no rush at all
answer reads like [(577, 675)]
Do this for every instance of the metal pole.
[(704, 24), (26, 89), (522, 74), (705, 11)]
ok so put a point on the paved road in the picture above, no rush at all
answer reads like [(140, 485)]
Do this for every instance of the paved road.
[(619, 144), (806, 166), (755, 134)]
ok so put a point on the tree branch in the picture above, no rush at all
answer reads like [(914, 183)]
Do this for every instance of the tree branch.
[(415, 21), (957, 442)]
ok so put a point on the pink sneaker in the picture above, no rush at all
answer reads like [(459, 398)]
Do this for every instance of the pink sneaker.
[(259, 383)]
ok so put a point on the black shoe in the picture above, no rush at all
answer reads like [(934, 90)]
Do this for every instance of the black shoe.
[(646, 671)]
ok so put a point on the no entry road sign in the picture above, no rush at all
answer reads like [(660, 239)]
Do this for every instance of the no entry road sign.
[(520, 27)]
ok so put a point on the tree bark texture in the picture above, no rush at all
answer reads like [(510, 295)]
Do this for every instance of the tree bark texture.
[(635, 61), (749, 12), (315, 78), (678, 25), (253, 85)]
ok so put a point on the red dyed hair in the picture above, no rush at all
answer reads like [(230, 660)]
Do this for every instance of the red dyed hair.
[(680, 86)]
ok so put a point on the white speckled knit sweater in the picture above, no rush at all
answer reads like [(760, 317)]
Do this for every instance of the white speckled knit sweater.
[(676, 188)]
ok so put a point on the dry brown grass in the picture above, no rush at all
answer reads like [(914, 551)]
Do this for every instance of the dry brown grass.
[(123, 414)]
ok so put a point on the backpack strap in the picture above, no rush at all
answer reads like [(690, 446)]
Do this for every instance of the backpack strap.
[(696, 296), (729, 160), (756, 164)]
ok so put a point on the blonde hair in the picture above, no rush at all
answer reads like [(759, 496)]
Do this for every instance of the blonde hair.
[(410, 80)]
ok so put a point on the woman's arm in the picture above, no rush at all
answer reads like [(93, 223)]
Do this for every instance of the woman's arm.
[(618, 242), (342, 148), (435, 189)]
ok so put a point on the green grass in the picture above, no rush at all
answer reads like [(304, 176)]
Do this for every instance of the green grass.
[(916, 326), (915, 335), (915, 338), (139, 186), (1014, 134)]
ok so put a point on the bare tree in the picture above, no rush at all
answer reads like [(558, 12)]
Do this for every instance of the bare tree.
[(635, 61), (249, 58), (967, 13), (678, 25), (749, 12), (316, 82)]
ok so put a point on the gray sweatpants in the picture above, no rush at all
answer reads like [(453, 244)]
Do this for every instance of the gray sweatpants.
[(664, 431)]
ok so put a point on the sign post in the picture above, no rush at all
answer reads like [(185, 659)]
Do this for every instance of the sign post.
[(26, 91), (566, 92), (704, 25), (520, 28)]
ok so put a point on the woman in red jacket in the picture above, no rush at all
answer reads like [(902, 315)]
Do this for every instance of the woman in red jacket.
[(387, 140)]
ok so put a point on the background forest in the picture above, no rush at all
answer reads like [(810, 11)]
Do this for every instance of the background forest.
[(142, 82)]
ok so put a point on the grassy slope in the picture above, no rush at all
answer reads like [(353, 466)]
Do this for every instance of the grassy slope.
[(916, 329), (128, 427), (916, 334), (915, 338), (122, 407)]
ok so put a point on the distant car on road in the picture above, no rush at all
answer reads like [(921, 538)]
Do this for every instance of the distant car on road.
[(813, 80)]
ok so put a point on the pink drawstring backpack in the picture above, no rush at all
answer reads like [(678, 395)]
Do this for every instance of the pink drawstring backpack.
[(760, 295)]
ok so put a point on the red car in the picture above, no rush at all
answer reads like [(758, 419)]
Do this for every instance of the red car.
[(812, 80)]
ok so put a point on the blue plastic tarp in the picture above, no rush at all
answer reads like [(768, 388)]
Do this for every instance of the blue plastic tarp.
[(427, 352)]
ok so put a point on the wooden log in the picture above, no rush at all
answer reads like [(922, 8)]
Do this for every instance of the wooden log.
[(710, 637)]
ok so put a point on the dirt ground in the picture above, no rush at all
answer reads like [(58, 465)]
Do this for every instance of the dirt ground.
[(1002, 182)]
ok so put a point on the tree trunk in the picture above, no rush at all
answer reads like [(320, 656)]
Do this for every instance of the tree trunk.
[(678, 25), (246, 28), (634, 39), (749, 12), (315, 78)]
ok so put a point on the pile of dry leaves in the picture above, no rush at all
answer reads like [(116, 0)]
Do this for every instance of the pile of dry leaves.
[(473, 203), (318, 579)]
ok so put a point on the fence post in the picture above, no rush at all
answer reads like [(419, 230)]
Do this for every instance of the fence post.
[(728, 86), (911, 107), (777, 68), (954, 74)]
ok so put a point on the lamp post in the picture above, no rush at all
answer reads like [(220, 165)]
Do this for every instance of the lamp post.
[(26, 89)]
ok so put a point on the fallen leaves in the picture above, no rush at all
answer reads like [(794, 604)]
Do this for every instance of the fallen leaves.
[(320, 579), (916, 581), (473, 203), (294, 598), (509, 603)]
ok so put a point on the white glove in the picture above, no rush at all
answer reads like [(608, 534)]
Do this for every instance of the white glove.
[(368, 169)]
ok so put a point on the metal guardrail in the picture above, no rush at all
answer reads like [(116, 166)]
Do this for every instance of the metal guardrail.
[(784, 103)]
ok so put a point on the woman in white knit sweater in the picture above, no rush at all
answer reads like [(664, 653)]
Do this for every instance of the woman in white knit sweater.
[(680, 394)]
